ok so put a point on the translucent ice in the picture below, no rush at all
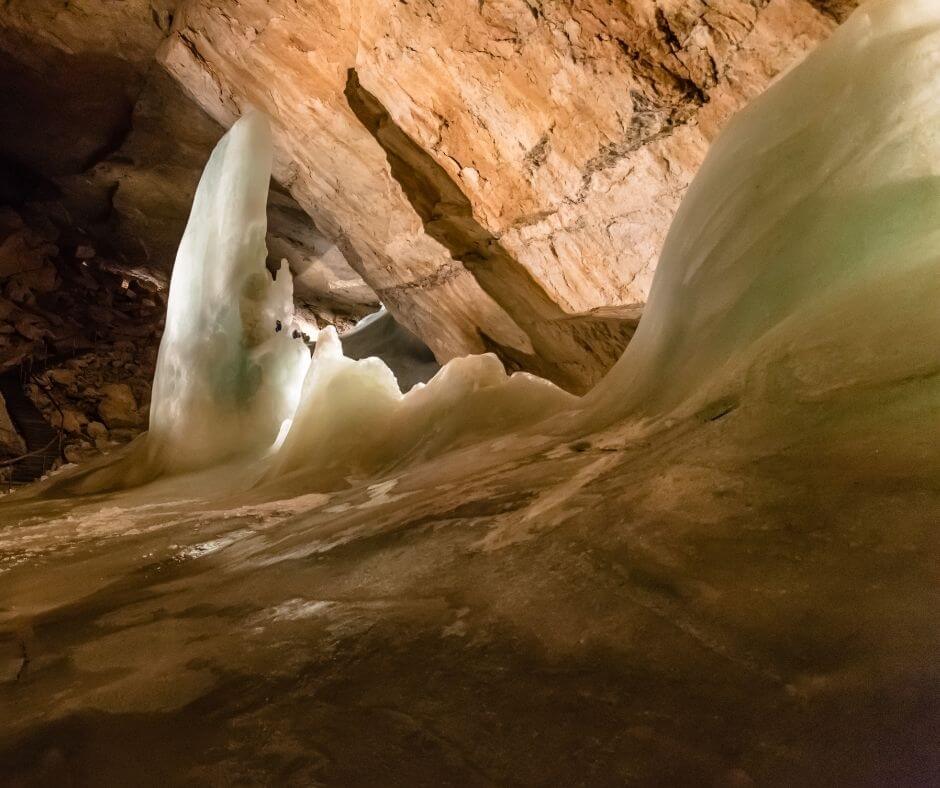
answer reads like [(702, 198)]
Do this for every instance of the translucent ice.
[(806, 254), (226, 380)]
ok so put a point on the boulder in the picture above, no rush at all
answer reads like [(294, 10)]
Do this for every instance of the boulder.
[(118, 408), (96, 430), (32, 327), (70, 420), (42, 278), (23, 251), (16, 291), (63, 376)]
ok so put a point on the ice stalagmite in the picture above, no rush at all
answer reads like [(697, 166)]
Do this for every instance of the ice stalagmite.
[(226, 379)]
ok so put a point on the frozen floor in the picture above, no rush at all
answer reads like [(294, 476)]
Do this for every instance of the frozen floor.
[(691, 607)]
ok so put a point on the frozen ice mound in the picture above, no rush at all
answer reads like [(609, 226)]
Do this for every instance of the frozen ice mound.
[(806, 254), (354, 420)]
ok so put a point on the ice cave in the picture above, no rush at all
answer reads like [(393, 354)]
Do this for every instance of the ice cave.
[(449, 393)]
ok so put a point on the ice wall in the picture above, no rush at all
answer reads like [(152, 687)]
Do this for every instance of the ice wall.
[(806, 254)]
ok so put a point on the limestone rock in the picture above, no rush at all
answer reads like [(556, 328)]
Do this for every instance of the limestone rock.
[(64, 376), (11, 442), (22, 252), (493, 169), (96, 429), (110, 143), (118, 408), (31, 327)]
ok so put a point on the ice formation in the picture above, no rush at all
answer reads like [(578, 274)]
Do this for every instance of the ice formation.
[(803, 264), (805, 257), (232, 385), (226, 379), (379, 334), (751, 593), (354, 420)]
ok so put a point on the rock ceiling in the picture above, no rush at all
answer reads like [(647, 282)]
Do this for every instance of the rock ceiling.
[(499, 174)]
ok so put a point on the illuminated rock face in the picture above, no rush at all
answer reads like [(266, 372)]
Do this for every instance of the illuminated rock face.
[(507, 168), (495, 171)]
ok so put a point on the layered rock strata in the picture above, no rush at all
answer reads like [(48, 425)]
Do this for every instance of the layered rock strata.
[(495, 171)]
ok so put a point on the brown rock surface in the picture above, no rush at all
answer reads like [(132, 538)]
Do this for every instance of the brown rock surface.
[(72, 326), (118, 408), (95, 135), (491, 169), (11, 443)]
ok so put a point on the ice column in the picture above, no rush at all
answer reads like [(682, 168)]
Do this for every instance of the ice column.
[(226, 379)]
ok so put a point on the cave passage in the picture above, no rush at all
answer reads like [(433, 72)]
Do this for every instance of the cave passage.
[(716, 566)]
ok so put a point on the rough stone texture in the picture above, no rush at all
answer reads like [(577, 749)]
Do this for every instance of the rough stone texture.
[(98, 136), (492, 168), (118, 408), (74, 325), (11, 443)]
